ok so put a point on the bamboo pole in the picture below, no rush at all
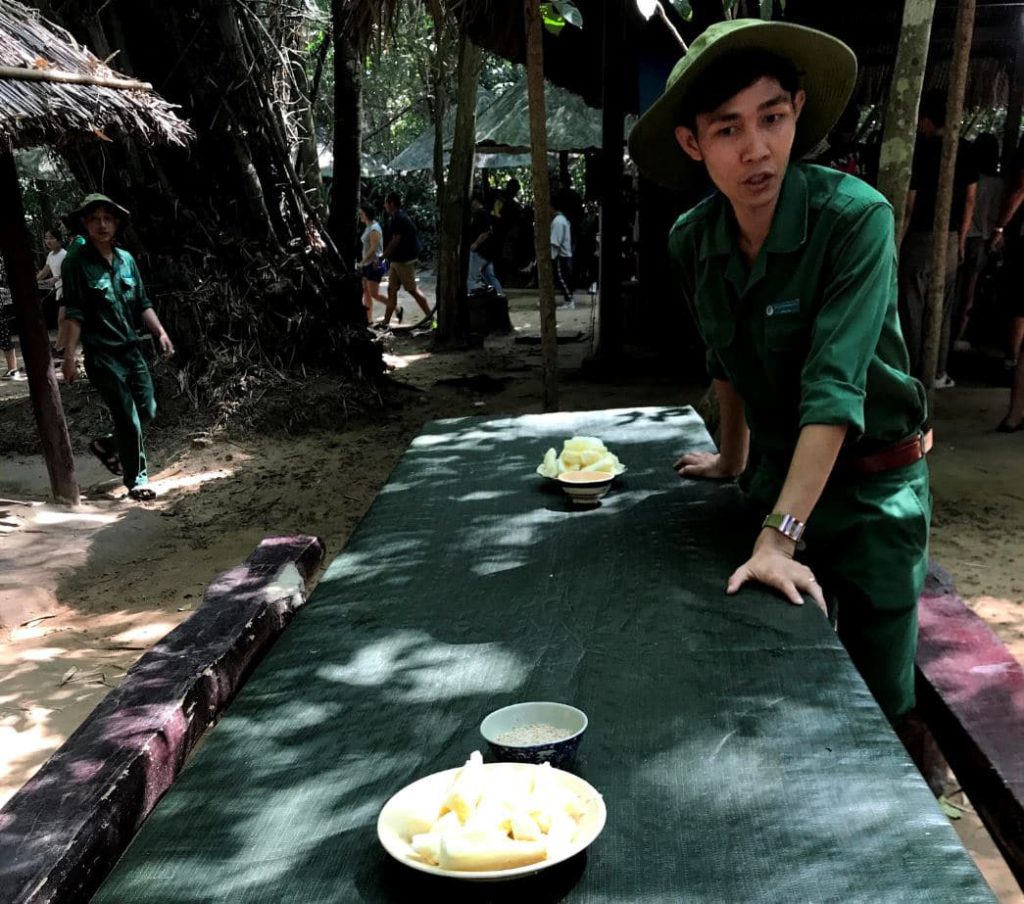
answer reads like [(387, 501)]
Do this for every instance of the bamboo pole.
[(35, 342), (899, 129), (542, 201), (934, 310), (18, 74)]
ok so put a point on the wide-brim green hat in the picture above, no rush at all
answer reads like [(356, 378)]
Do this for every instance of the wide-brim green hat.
[(93, 200), (828, 70)]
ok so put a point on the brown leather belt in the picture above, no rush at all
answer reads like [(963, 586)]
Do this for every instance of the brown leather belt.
[(898, 455)]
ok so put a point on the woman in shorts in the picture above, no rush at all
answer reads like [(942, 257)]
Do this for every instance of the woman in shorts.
[(372, 265)]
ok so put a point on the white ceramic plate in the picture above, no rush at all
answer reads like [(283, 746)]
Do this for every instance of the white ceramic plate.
[(389, 823)]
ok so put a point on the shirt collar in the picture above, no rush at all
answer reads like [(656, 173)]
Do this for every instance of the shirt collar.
[(90, 249), (789, 225)]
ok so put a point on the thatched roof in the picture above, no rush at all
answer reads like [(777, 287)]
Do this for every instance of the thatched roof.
[(52, 91)]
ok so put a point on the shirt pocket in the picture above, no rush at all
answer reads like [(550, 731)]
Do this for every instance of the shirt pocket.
[(99, 291), (784, 327)]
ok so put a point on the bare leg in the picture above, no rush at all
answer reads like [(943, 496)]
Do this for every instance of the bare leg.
[(972, 284), (1016, 337), (1015, 416), (368, 300), (12, 359), (392, 301), (421, 300), (377, 295)]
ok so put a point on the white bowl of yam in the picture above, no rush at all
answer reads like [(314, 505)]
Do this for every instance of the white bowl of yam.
[(486, 822)]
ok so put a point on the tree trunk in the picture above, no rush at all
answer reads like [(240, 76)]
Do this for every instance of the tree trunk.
[(35, 342), (348, 115), (439, 105), (222, 229), (307, 160), (1014, 103), (611, 319), (453, 256), (542, 201), (899, 130), (944, 199)]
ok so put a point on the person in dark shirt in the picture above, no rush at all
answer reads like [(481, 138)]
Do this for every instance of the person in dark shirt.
[(918, 224), (403, 251), (481, 249), (506, 216)]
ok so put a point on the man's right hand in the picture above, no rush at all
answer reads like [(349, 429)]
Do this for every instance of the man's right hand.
[(70, 370), (706, 466)]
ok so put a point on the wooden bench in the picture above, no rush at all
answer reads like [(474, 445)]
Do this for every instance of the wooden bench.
[(971, 694), (64, 830)]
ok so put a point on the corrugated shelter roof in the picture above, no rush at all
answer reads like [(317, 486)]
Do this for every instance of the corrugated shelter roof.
[(55, 92), (572, 125), (503, 129)]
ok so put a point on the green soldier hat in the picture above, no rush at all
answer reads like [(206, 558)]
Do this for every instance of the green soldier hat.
[(828, 70), (89, 202)]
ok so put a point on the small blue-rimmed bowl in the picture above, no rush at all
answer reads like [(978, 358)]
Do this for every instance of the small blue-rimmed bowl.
[(539, 732)]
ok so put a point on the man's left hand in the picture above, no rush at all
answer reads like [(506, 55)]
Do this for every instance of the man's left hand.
[(772, 564), (166, 346)]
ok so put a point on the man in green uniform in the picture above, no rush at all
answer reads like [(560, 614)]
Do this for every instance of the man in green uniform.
[(106, 306), (791, 269)]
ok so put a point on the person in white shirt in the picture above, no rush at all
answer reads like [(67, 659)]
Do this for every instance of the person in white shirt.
[(561, 257), (49, 278)]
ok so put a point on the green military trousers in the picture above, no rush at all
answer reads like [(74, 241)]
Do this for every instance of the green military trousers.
[(867, 543), (124, 383)]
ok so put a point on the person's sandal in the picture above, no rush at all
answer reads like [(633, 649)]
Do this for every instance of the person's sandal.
[(142, 494), (110, 460), (1006, 427)]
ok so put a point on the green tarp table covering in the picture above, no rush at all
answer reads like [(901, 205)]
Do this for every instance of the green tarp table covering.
[(741, 757)]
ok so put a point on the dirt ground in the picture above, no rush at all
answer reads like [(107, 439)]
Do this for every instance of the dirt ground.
[(83, 593)]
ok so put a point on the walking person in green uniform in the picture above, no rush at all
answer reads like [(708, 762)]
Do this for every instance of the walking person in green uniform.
[(106, 304), (791, 270)]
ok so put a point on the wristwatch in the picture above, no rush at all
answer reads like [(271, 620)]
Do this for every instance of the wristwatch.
[(786, 525)]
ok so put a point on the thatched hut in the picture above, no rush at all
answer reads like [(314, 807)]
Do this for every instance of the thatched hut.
[(55, 92)]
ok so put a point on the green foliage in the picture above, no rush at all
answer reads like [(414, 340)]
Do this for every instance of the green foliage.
[(45, 199), (559, 13), (683, 8)]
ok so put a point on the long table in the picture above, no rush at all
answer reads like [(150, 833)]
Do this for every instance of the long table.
[(740, 755)]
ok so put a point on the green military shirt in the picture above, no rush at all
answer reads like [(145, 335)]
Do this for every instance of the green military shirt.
[(107, 299), (810, 333)]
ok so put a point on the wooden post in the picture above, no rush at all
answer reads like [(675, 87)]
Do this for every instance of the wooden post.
[(541, 201), (934, 312), (899, 129), (35, 341), (610, 314)]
